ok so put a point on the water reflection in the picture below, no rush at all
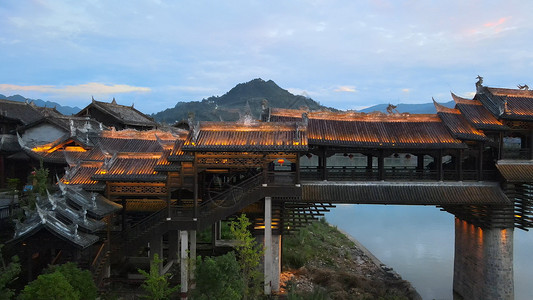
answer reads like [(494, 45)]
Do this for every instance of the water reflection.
[(418, 242)]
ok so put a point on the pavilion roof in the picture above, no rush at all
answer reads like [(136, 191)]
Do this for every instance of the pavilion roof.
[(509, 104), (246, 136), (457, 124), (130, 167), (81, 173), (125, 114), (477, 114), (353, 129)]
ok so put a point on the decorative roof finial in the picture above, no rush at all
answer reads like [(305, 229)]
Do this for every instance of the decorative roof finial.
[(92, 98), (114, 101), (523, 87), (392, 109), (479, 84)]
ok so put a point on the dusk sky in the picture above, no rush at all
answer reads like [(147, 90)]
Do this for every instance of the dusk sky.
[(345, 54)]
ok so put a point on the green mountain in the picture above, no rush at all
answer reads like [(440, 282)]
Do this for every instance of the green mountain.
[(229, 106)]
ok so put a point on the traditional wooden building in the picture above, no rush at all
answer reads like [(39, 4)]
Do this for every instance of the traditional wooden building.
[(117, 116)]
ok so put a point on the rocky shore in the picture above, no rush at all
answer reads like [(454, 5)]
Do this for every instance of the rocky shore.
[(322, 260)]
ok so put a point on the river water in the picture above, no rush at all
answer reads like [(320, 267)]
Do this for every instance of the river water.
[(418, 242)]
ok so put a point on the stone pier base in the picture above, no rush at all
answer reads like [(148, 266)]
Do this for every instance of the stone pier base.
[(483, 263)]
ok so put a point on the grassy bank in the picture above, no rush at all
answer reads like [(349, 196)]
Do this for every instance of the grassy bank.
[(320, 262)]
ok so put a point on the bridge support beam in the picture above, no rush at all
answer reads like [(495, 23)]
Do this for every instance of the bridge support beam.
[(483, 264)]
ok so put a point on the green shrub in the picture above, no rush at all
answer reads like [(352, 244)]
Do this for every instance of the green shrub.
[(52, 286), (218, 278)]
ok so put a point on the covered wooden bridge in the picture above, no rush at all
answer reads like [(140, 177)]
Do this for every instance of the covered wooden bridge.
[(292, 165)]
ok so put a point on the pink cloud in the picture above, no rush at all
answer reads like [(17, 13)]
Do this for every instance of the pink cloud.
[(497, 23)]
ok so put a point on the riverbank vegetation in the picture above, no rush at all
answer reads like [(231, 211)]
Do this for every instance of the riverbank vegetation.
[(320, 262)]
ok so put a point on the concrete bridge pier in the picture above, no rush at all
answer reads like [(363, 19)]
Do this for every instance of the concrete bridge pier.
[(483, 263), (272, 256)]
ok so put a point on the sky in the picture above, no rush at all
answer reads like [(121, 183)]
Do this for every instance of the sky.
[(345, 54)]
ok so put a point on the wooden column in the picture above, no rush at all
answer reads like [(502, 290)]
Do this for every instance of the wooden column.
[(480, 162), (124, 222), (369, 162), (439, 165), (381, 166), (530, 144), (322, 164), (195, 189), (297, 169), (460, 164), (500, 145)]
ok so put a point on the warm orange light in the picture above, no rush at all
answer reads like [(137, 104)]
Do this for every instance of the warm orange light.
[(75, 149), (281, 161)]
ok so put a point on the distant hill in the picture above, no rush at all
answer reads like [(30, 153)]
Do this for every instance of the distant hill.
[(228, 106), (66, 110), (424, 108)]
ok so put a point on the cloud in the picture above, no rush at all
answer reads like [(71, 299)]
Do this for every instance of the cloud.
[(346, 88), (406, 90), (497, 23), (94, 88)]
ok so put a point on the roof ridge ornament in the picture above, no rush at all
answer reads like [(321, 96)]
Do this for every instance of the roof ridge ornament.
[(391, 109), (479, 84), (523, 87)]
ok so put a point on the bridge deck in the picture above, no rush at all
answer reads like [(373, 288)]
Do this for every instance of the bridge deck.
[(405, 193)]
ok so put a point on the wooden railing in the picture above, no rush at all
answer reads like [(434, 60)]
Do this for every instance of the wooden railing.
[(516, 153), (351, 173)]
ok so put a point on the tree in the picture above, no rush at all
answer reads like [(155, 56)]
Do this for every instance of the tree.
[(249, 254), (39, 178), (218, 278), (156, 285), (8, 274), (52, 286), (80, 280)]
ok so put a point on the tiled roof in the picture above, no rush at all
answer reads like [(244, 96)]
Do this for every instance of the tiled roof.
[(253, 136), (126, 114), (458, 125), (352, 129), (96, 204), (164, 165), (477, 114), (508, 104), (416, 193), (22, 111), (81, 174), (131, 140), (516, 170), (130, 167), (42, 219), (177, 153)]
